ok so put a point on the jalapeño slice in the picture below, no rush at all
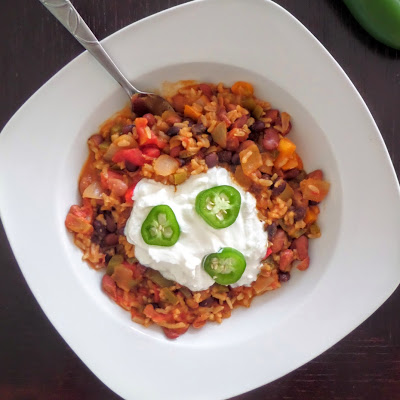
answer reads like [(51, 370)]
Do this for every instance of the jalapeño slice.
[(160, 228), (226, 266), (219, 206)]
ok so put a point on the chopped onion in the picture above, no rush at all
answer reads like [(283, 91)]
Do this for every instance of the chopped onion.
[(166, 165), (93, 191), (112, 149)]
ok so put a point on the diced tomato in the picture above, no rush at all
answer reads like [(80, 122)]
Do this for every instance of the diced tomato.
[(146, 135), (174, 333), (134, 156), (78, 224), (109, 286), (155, 316), (314, 189), (268, 253), (232, 143), (174, 152), (151, 152), (129, 194), (85, 212), (136, 268)]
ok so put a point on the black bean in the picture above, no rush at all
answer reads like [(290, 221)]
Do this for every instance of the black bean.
[(283, 276), (191, 122), (130, 166), (110, 223), (198, 128), (313, 203), (182, 161), (299, 213), (225, 156), (108, 258), (235, 159), (279, 187), (258, 126), (174, 130), (207, 302), (127, 128), (110, 240), (267, 177), (211, 160), (291, 173), (99, 228), (271, 230)]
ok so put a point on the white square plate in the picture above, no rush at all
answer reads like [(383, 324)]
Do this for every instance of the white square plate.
[(354, 266)]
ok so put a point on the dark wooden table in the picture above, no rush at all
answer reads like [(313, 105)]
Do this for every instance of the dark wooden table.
[(35, 362)]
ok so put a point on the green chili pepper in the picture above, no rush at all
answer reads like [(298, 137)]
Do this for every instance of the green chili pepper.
[(381, 18), (160, 228), (114, 261), (226, 266), (157, 278), (219, 206)]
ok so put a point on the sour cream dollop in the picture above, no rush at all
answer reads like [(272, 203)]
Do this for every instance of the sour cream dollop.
[(182, 262)]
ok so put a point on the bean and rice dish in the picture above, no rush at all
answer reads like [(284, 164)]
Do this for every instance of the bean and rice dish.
[(211, 126)]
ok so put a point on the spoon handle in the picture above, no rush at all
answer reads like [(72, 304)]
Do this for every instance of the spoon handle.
[(66, 13)]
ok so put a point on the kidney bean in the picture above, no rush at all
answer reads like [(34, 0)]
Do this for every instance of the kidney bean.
[(299, 213), (199, 128), (240, 121), (97, 139), (271, 230), (271, 139), (278, 241), (206, 89), (317, 174), (286, 260), (291, 173), (174, 152), (120, 231), (151, 120), (258, 126), (298, 199), (278, 188), (139, 107), (207, 302), (191, 122), (118, 186), (127, 129), (225, 156), (110, 240), (174, 130), (283, 276), (273, 114), (211, 160), (301, 245), (235, 159), (221, 114), (110, 223), (304, 264), (130, 166)]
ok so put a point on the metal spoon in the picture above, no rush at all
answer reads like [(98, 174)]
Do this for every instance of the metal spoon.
[(66, 13)]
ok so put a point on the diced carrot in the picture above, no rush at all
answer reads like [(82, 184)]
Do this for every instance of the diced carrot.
[(190, 112), (243, 88), (291, 163), (311, 215), (286, 146)]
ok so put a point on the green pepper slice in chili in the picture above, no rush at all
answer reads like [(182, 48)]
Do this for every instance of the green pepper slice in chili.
[(226, 266), (219, 206), (160, 228)]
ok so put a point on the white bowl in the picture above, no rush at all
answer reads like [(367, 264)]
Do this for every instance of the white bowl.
[(354, 265)]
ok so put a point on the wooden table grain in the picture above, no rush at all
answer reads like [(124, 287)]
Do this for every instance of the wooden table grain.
[(35, 362)]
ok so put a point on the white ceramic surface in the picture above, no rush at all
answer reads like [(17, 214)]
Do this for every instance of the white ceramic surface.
[(43, 148)]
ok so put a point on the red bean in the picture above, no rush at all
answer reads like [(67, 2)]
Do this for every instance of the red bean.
[(139, 107), (240, 121), (278, 241), (317, 174), (127, 129), (271, 139), (130, 166), (174, 152), (118, 186), (273, 114), (110, 223), (301, 245), (291, 173), (206, 89), (298, 199), (151, 120), (211, 160), (278, 188), (97, 139), (299, 213), (286, 260), (304, 264)]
